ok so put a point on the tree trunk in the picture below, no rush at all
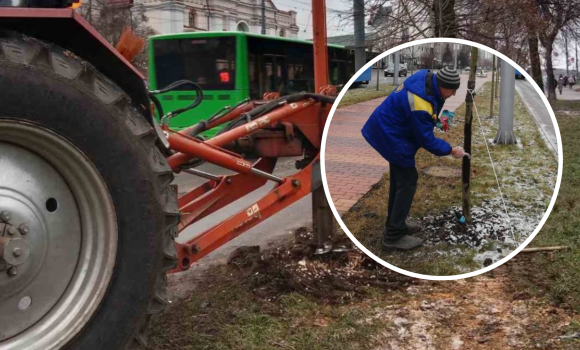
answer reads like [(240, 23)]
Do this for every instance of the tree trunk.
[(549, 47), (566, 45), (466, 166), (535, 59)]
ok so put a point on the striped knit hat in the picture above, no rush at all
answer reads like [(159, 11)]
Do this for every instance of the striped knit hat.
[(448, 78)]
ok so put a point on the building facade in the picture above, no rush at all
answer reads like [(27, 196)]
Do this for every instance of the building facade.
[(176, 16)]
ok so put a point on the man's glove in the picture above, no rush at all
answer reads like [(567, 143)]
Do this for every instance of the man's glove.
[(458, 152)]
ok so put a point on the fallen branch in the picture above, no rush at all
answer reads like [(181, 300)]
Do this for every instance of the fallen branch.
[(543, 249), (571, 336)]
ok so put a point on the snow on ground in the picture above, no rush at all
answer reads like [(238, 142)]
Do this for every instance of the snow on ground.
[(492, 232)]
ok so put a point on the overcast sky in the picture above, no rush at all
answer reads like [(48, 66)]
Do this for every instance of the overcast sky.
[(303, 8), (559, 61)]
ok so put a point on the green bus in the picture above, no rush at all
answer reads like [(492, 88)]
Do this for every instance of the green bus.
[(233, 66)]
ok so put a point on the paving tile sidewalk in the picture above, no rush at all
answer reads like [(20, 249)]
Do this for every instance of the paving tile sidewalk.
[(352, 165)]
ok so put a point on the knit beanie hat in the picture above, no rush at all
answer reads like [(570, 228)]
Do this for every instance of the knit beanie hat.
[(448, 78)]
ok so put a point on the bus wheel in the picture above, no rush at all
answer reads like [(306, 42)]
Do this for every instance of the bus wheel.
[(86, 204)]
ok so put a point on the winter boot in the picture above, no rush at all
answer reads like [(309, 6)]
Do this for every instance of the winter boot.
[(413, 227), (406, 242)]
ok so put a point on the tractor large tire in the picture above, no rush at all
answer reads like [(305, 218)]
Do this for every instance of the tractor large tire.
[(85, 195)]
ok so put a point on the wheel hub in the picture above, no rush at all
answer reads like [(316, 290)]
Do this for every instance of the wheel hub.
[(38, 247), (58, 238), (13, 250)]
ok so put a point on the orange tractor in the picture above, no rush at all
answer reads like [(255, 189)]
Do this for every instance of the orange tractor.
[(88, 212)]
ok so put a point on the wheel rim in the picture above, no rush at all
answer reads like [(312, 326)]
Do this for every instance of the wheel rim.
[(58, 231)]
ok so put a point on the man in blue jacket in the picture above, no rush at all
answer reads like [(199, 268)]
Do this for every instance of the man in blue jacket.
[(401, 125)]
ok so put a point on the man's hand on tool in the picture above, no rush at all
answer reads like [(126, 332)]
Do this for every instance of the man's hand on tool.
[(458, 152)]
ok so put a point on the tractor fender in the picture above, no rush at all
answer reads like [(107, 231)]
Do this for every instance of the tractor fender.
[(67, 29)]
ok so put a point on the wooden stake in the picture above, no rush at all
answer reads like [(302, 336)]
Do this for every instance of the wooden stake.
[(497, 77), (543, 249), (378, 74), (466, 166), (492, 88)]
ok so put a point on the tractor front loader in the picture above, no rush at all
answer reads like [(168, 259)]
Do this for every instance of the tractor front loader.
[(88, 212)]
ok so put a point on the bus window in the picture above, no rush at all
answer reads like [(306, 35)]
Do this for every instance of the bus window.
[(210, 62), (287, 67), (281, 65)]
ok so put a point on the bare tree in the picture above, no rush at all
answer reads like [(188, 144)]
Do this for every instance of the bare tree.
[(513, 27), (444, 18), (554, 15), (110, 17)]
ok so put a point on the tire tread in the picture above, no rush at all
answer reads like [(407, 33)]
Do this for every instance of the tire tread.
[(20, 50)]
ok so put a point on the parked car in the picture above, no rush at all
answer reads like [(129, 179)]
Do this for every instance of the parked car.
[(390, 71)]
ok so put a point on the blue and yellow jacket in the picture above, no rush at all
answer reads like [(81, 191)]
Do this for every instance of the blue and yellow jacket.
[(404, 122)]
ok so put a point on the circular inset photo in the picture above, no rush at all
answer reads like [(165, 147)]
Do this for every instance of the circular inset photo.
[(444, 162)]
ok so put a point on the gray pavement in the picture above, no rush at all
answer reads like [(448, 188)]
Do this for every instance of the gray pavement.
[(540, 113), (382, 79), (270, 230), (568, 94), (277, 228)]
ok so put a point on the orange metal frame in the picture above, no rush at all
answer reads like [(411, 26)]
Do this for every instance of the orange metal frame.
[(308, 115)]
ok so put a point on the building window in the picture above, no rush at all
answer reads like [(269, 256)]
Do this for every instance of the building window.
[(192, 19), (243, 27), (282, 33)]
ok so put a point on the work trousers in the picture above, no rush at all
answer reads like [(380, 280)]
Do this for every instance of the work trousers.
[(403, 185)]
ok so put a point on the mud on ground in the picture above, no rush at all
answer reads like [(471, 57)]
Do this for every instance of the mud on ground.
[(329, 278)]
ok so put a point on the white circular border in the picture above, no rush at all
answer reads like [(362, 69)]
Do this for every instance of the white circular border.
[(347, 231)]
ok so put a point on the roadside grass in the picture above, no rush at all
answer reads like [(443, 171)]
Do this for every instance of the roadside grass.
[(527, 173), (229, 310), (565, 107), (559, 272), (361, 94)]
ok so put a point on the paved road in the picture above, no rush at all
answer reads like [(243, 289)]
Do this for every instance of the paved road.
[(382, 79), (539, 111)]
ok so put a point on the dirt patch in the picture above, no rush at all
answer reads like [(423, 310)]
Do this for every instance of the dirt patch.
[(328, 278), (485, 312)]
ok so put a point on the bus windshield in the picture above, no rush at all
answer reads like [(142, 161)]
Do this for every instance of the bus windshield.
[(209, 62)]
